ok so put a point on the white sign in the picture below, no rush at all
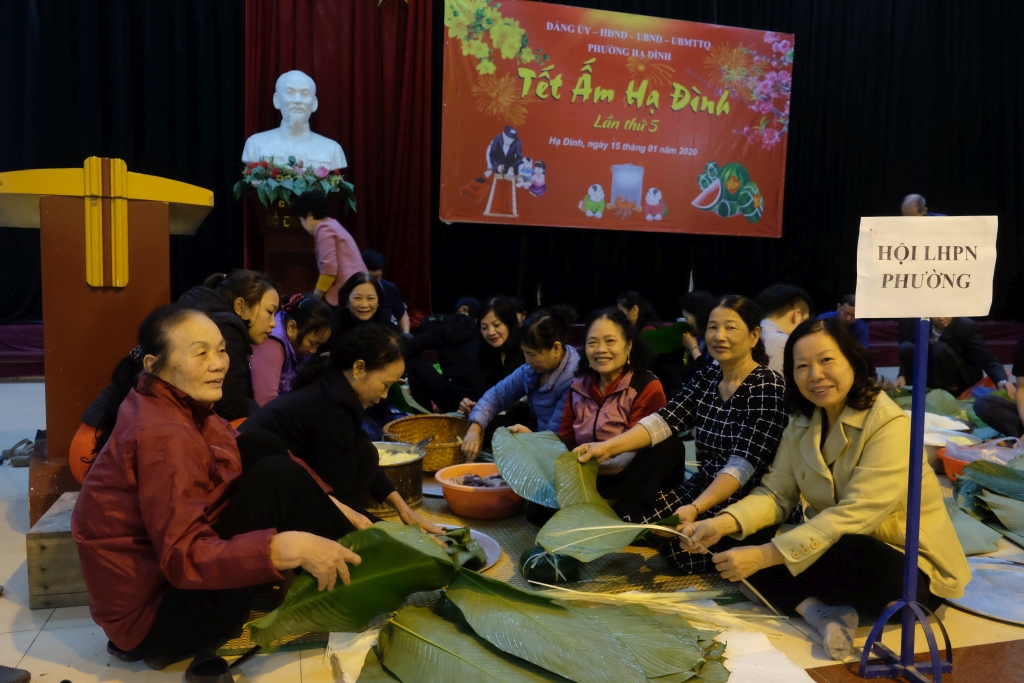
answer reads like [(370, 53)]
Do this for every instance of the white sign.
[(925, 267)]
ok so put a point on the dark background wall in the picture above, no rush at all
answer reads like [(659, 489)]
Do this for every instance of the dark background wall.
[(156, 83), (890, 97)]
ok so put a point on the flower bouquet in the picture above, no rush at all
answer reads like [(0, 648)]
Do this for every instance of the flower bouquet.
[(274, 182)]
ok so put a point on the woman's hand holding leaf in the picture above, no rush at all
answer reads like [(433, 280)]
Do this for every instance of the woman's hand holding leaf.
[(687, 515), (323, 558), (701, 535), (410, 516), (520, 429), (413, 517), (594, 451)]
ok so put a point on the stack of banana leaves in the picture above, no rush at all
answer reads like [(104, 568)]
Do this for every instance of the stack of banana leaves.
[(482, 629), (941, 402), (994, 494)]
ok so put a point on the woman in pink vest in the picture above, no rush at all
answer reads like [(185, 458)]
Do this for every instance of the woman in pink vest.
[(337, 254), (612, 392)]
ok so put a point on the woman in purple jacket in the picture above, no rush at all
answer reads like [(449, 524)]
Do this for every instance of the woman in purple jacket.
[(303, 324), (543, 380)]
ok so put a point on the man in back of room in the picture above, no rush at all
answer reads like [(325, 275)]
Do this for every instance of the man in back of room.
[(957, 356), (846, 311), (785, 307), (915, 205)]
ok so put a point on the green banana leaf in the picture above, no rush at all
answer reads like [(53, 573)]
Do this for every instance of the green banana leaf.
[(938, 401), (1016, 538), (421, 647), (576, 482), (667, 339), (713, 671), (1008, 511), (671, 678), (998, 478), (527, 462), (571, 531), (975, 537), (373, 672), (941, 402), (411, 536), (659, 651), (392, 567), (463, 549), (897, 392), (539, 630)]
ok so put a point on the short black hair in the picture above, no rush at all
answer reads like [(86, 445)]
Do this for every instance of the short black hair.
[(782, 298), (518, 303), (865, 386), (646, 316), (640, 356), (312, 202), (699, 302), (848, 300), (545, 327), (376, 345), (374, 260)]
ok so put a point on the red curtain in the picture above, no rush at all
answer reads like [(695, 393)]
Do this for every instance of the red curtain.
[(371, 65)]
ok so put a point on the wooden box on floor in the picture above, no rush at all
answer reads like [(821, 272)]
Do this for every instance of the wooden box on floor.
[(54, 571)]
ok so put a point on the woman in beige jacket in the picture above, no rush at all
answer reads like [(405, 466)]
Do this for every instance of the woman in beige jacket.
[(845, 452)]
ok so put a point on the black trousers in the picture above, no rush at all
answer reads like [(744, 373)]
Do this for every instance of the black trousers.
[(946, 369), (1000, 414), (275, 492), (859, 571)]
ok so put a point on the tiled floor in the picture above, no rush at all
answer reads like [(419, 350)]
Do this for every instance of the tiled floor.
[(64, 644)]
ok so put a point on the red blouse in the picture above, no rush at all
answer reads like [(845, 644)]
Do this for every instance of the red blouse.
[(143, 519)]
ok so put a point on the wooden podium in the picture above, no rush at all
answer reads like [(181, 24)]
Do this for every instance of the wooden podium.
[(105, 244), (288, 250)]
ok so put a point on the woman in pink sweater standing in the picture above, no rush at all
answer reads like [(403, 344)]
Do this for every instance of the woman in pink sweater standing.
[(337, 255)]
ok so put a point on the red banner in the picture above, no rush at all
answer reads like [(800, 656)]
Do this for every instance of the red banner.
[(583, 118)]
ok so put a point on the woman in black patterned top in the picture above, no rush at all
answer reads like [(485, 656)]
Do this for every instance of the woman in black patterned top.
[(736, 411)]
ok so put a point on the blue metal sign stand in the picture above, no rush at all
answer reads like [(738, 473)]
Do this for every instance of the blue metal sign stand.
[(903, 664)]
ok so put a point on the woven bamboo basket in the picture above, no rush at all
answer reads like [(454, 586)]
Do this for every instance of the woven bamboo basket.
[(448, 432)]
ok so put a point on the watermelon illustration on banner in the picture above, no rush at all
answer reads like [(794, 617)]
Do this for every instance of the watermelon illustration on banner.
[(572, 117), (729, 192)]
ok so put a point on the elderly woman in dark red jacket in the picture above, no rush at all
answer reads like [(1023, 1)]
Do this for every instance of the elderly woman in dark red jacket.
[(174, 538)]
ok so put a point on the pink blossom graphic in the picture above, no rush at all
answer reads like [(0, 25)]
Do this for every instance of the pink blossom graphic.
[(762, 81)]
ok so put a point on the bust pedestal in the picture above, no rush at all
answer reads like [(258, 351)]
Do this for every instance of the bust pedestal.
[(288, 256)]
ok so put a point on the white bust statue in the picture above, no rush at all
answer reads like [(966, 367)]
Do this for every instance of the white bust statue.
[(295, 98)]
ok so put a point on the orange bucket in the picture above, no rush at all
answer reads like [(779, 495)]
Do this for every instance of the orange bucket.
[(953, 466), (474, 502)]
